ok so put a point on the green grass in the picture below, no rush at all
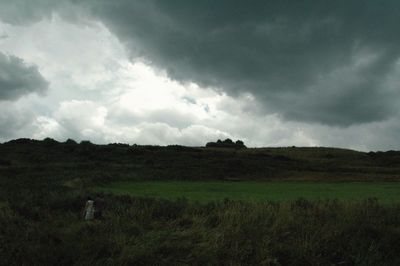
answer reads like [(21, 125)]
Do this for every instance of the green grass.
[(387, 192)]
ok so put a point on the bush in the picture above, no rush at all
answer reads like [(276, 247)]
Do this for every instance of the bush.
[(70, 142), (227, 143)]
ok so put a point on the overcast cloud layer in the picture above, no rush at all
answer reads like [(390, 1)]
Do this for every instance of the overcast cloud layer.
[(162, 72), (321, 61)]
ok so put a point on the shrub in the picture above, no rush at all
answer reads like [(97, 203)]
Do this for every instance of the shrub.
[(70, 142)]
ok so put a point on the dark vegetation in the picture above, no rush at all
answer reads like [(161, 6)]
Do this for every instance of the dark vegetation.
[(102, 163), (44, 185), (228, 143)]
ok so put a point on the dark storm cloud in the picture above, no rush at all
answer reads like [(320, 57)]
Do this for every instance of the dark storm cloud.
[(17, 78), (318, 61), (302, 59)]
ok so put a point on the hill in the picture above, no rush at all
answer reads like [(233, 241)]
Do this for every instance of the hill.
[(88, 162), (45, 184)]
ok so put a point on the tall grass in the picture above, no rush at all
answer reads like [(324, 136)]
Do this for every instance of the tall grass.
[(146, 231)]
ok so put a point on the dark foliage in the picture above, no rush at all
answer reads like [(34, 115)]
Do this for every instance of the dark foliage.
[(121, 161), (228, 143), (71, 142), (44, 188)]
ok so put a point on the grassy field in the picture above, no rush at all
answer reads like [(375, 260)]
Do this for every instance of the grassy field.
[(45, 184), (206, 191)]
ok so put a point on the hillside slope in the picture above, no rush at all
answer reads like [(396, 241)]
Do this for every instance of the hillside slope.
[(102, 163)]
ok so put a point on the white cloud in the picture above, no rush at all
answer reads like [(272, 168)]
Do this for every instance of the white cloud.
[(81, 119), (46, 127)]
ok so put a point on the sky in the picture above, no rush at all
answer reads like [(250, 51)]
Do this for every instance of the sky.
[(270, 73)]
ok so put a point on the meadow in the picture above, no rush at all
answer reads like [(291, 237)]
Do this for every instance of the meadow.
[(257, 191), (197, 206)]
